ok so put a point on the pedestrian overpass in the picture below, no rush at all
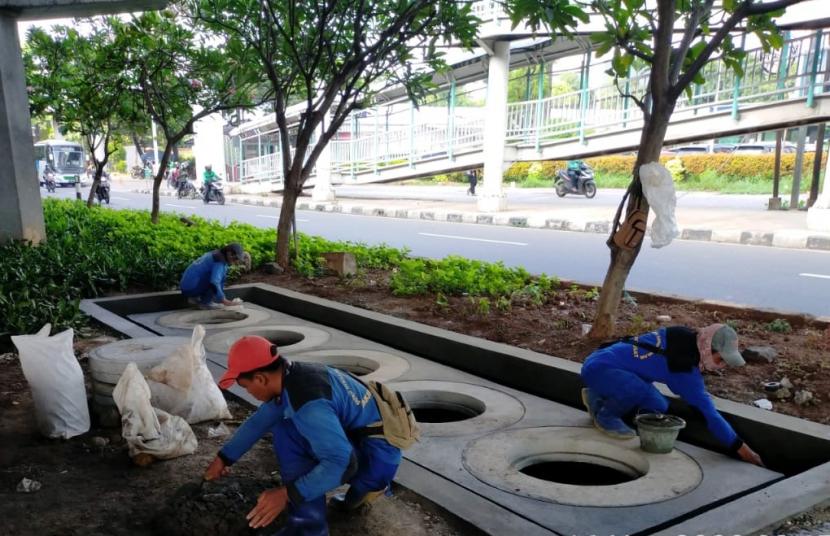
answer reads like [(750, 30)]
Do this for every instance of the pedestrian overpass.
[(397, 141)]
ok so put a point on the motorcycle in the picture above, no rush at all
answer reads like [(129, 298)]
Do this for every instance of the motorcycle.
[(214, 193), (584, 184), (102, 193), (49, 181), (186, 189)]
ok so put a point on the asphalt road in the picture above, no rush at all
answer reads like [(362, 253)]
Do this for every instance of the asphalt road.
[(766, 277)]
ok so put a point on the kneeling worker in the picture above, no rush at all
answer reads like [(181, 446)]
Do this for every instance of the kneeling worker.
[(203, 283), (327, 431), (619, 379)]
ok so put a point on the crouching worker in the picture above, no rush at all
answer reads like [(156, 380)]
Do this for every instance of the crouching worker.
[(619, 379), (328, 427), (203, 283)]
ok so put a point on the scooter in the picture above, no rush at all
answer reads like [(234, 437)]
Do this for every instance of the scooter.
[(585, 184), (214, 193), (49, 181), (186, 189), (103, 191)]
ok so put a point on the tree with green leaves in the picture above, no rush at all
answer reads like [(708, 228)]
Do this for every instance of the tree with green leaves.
[(77, 78), (181, 74), (330, 58), (675, 39)]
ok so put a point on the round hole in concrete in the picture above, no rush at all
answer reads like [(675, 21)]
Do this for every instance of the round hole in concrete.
[(213, 318), (549, 464), (368, 364), (281, 338), (443, 406), (578, 473), (446, 409), (288, 338)]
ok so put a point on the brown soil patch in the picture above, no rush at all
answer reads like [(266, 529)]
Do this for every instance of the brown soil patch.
[(90, 490), (555, 328)]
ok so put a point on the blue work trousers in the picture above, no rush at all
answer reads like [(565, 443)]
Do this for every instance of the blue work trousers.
[(621, 391)]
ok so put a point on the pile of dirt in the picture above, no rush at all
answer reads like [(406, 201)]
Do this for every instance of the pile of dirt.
[(215, 507), (555, 327)]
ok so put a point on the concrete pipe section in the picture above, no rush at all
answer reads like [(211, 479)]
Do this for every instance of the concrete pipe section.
[(579, 467), (367, 364), (107, 362), (225, 318), (289, 338), (452, 409)]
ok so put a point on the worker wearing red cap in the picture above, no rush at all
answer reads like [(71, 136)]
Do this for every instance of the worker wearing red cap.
[(319, 417)]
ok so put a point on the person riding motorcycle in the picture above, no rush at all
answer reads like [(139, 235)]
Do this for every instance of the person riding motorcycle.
[(575, 169), (209, 178)]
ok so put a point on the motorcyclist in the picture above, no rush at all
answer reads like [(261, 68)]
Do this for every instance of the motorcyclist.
[(209, 178), (575, 168)]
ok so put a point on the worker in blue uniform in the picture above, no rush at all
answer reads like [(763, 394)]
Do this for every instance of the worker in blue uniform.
[(203, 282), (619, 379), (319, 417)]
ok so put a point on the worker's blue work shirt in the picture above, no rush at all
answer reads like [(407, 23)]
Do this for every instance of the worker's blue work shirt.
[(206, 273), (324, 404), (652, 367)]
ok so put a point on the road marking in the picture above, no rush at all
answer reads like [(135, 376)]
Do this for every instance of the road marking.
[(177, 206), (474, 239), (277, 217), (817, 276)]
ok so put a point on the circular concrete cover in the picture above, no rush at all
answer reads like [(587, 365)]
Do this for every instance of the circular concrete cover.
[(498, 460), (481, 408), (288, 338), (107, 362), (368, 364), (213, 318)]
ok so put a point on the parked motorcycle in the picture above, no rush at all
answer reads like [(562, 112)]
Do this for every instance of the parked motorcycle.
[(214, 193), (49, 180), (103, 191), (577, 179)]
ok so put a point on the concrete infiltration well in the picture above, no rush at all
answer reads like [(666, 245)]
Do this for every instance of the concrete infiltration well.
[(507, 461)]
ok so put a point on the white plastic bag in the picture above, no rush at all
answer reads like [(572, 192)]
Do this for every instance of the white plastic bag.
[(145, 429), (57, 382), (658, 188), (183, 385)]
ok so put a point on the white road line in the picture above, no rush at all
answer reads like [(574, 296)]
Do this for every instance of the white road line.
[(474, 239), (277, 217), (817, 276), (177, 206)]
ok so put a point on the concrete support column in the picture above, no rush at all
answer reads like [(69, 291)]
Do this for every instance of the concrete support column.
[(323, 190), (797, 170), (492, 197), (21, 212), (209, 145), (818, 216)]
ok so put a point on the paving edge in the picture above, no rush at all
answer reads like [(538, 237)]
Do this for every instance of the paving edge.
[(761, 510), (789, 239)]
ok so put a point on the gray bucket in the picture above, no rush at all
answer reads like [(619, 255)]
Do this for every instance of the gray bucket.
[(658, 432)]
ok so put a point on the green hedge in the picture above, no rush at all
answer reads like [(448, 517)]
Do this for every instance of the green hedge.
[(96, 251)]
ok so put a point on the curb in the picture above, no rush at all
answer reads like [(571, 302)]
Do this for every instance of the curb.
[(791, 239)]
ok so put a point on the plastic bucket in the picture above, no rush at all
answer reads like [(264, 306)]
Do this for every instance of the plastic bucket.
[(658, 432)]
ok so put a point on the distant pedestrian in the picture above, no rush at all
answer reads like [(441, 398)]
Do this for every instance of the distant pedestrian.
[(472, 178)]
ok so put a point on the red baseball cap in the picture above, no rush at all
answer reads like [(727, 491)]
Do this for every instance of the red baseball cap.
[(246, 354)]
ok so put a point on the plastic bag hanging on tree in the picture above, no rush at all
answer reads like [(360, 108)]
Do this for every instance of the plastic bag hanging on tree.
[(57, 382), (658, 188)]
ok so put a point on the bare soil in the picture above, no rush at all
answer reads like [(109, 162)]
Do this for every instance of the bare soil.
[(555, 327), (93, 490)]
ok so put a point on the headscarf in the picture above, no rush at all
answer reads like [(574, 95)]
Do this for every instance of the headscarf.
[(704, 346)]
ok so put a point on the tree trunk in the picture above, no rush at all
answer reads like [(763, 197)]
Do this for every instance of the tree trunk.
[(137, 144), (99, 171), (286, 222), (651, 144), (165, 158)]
